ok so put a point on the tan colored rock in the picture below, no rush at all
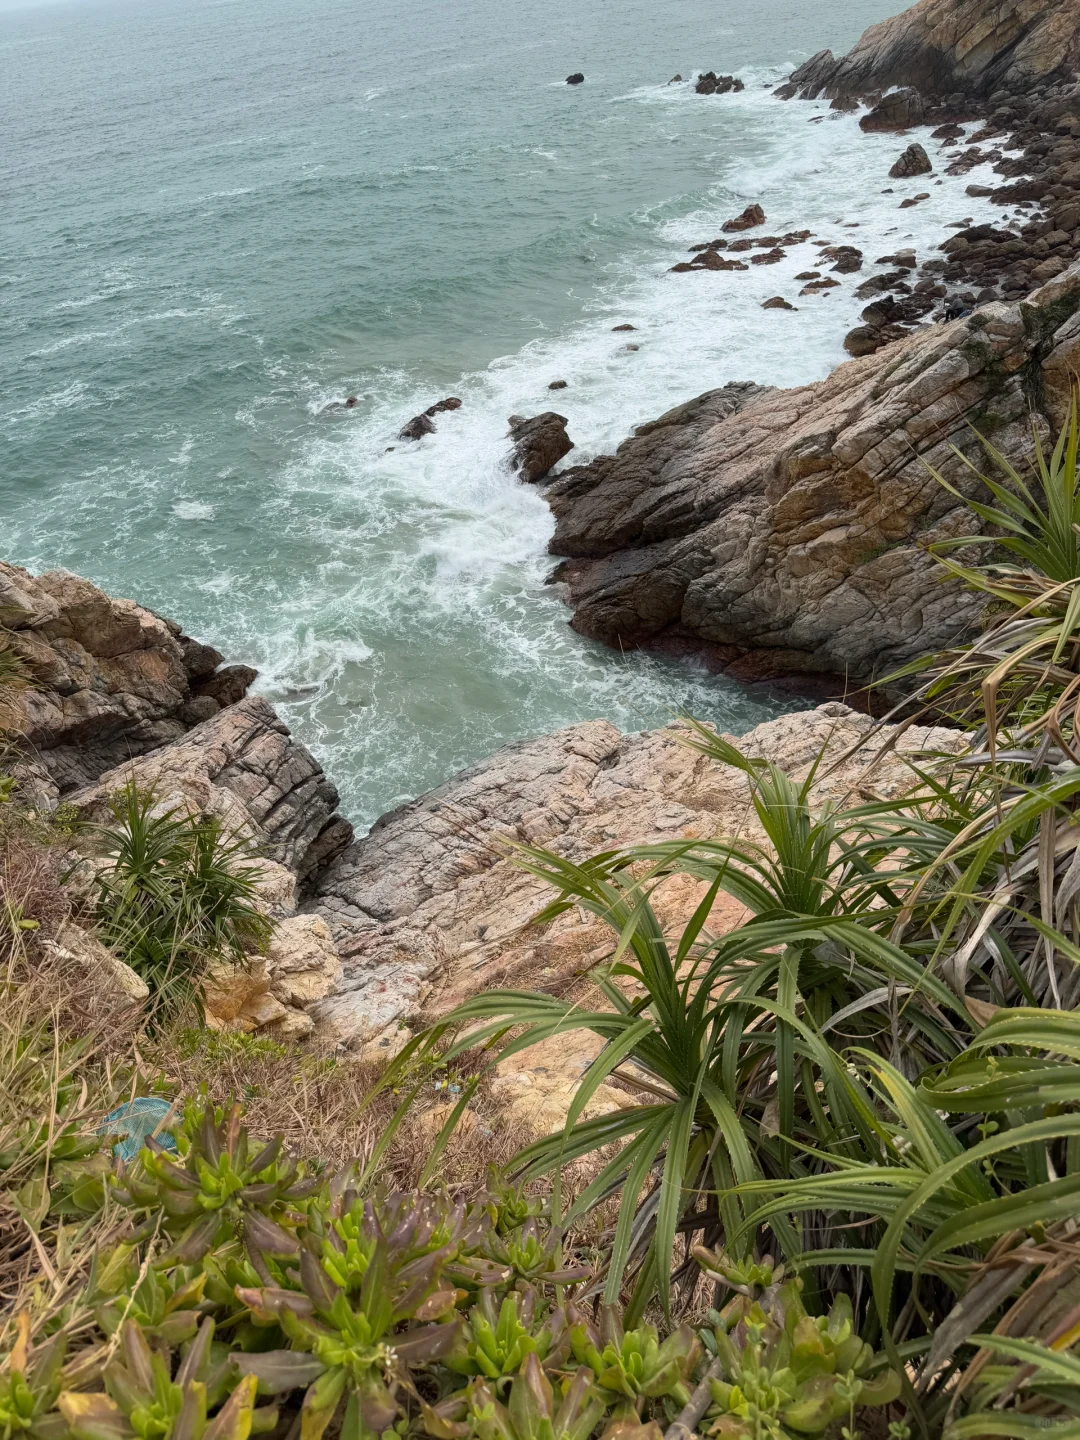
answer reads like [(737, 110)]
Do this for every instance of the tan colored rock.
[(429, 908), (276, 887), (232, 990), (82, 948), (294, 1025), (301, 960), (263, 1010), (111, 679)]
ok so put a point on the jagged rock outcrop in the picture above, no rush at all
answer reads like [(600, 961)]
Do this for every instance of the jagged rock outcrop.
[(540, 442), (944, 46), (116, 693), (108, 678), (791, 525), (429, 908), (244, 766)]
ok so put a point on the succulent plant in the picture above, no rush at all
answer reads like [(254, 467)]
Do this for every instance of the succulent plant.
[(496, 1337), (29, 1385), (144, 1401), (635, 1364), (359, 1284), (167, 1305), (534, 1253), (216, 1186), (535, 1410), (789, 1373)]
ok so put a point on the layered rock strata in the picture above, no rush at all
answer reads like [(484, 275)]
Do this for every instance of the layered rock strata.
[(431, 907), (975, 47), (787, 529)]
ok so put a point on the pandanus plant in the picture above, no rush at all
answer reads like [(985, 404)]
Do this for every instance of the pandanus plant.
[(722, 1036)]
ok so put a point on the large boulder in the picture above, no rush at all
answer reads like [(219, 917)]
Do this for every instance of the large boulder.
[(942, 47), (539, 443), (899, 110), (794, 524), (914, 161), (109, 679)]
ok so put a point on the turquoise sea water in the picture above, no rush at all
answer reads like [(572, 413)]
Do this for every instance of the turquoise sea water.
[(218, 215)]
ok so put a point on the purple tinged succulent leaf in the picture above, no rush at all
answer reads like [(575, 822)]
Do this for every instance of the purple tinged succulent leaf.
[(436, 1305), (377, 1406), (135, 1354), (194, 1244), (270, 1302), (279, 1371), (266, 1156), (198, 1352), (266, 1235), (429, 1342), (318, 1286), (532, 1399), (442, 1421)]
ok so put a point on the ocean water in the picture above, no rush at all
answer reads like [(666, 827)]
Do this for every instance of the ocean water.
[(219, 215)]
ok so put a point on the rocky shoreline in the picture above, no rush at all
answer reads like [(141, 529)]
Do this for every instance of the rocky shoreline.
[(777, 533)]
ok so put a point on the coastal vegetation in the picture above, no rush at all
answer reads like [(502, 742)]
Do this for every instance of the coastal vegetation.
[(841, 1197)]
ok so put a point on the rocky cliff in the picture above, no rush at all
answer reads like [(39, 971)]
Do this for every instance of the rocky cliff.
[(785, 530), (941, 47)]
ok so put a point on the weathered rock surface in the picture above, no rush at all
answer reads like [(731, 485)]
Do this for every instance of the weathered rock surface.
[(942, 46), (539, 443), (244, 766), (898, 110), (429, 909), (794, 523), (751, 216), (109, 679), (914, 161)]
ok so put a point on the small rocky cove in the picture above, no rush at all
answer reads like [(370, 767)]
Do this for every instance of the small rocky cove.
[(779, 535)]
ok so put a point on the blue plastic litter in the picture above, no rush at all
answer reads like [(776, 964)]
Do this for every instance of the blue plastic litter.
[(137, 1121)]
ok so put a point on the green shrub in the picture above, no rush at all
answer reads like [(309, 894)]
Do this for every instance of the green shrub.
[(176, 895)]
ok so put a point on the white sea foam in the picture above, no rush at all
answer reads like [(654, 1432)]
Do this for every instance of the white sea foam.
[(193, 510), (436, 544)]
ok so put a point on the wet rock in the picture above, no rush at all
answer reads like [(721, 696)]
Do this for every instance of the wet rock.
[(228, 685), (557, 385), (753, 215), (903, 260), (899, 110), (799, 520), (778, 303), (770, 257), (980, 191), (848, 259), (808, 275), (417, 428), (576, 79), (539, 443), (338, 407), (712, 84), (913, 200), (450, 403), (675, 80), (616, 329), (914, 161), (816, 286)]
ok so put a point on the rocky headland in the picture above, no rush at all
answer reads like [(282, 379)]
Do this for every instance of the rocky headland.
[(777, 533)]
